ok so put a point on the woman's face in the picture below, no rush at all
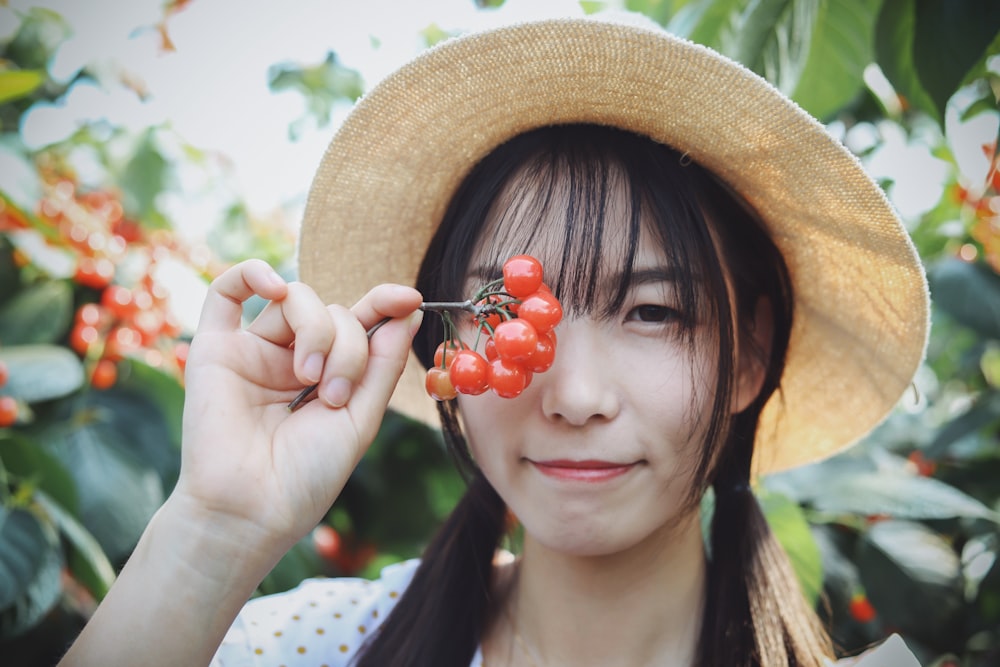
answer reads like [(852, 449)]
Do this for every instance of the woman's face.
[(597, 454)]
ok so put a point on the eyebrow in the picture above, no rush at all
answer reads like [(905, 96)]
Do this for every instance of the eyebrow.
[(646, 275)]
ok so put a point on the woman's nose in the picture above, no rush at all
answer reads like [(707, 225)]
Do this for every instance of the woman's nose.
[(580, 387)]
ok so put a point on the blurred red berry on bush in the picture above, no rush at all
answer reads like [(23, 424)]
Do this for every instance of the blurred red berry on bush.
[(327, 542), (105, 374), (8, 410), (861, 608)]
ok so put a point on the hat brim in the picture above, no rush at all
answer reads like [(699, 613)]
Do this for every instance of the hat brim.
[(861, 303)]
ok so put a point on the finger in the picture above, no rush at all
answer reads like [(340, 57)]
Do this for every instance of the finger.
[(388, 352), (347, 358), (300, 317), (223, 307), (343, 370), (386, 301)]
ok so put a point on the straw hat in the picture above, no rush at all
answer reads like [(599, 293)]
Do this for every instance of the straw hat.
[(861, 297)]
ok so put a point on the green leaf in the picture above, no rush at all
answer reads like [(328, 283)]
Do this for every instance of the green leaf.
[(41, 372), (142, 411), (969, 292), (811, 50), (985, 104), (894, 52), (41, 32), (30, 463), (39, 313), (840, 575), (143, 179), (87, 561), (773, 38), (118, 494), (321, 85), (10, 274), (950, 38), (985, 411), (705, 21), (30, 570), (842, 45), (929, 49), (913, 579), (790, 527), (660, 11), (897, 495), (15, 84)]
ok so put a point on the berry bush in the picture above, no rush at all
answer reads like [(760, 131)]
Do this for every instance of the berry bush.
[(898, 535)]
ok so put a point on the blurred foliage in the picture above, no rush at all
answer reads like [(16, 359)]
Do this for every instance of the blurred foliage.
[(897, 535), (322, 86)]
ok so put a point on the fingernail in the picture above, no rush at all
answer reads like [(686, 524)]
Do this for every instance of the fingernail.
[(337, 391), (415, 319), (312, 369)]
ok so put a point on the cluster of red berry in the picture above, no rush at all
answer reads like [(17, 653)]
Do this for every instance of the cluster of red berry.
[(516, 314), (91, 230), (8, 404), (126, 322)]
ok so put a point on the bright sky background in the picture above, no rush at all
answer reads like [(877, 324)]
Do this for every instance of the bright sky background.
[(213, 90)]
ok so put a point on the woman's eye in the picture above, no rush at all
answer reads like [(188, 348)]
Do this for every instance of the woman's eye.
[(653, 314)]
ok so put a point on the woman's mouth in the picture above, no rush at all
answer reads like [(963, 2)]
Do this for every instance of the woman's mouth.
[(589, 470)]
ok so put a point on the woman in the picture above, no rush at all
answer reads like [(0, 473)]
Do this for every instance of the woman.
[(738, 298)]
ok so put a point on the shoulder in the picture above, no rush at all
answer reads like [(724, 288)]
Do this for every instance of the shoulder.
[(329, 617), (893, 651)]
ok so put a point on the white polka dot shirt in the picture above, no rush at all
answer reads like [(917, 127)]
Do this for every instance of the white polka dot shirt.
[(322, 622)]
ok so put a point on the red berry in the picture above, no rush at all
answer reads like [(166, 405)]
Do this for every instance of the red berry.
[(490, 349), (4, 373), (489, 322), (181, 354), (445, 352), (542, 309), (924, 466), (327, 542), (439, 385), (507, 379), (522, 275), (8, 410), (468, 373), (861, 608), (82, 337), (122, 341), (95, 272), (105, 374), (91, 314), (515, 339), (119, 301), (149, 324), (543, 356)]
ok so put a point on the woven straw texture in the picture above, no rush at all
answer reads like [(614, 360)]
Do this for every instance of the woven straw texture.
[(861, 296)]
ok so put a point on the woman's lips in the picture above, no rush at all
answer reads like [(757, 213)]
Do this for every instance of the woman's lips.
[(582, 471)]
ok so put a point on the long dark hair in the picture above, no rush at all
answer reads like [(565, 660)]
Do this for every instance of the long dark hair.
[(755, 614)]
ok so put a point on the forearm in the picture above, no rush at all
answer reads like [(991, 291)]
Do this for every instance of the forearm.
[(186, 581)]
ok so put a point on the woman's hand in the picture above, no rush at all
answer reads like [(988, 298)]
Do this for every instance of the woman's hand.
[(246, 457)]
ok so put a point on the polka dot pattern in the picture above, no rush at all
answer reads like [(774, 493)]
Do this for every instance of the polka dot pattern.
[(322, 622)]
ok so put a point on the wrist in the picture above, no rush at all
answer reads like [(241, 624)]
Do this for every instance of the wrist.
[(216, 547)]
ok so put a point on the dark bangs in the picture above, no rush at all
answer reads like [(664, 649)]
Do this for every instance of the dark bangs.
[(555, 192)]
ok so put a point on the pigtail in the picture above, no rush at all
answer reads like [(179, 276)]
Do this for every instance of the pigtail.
[(756, 614), (444, 611)]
